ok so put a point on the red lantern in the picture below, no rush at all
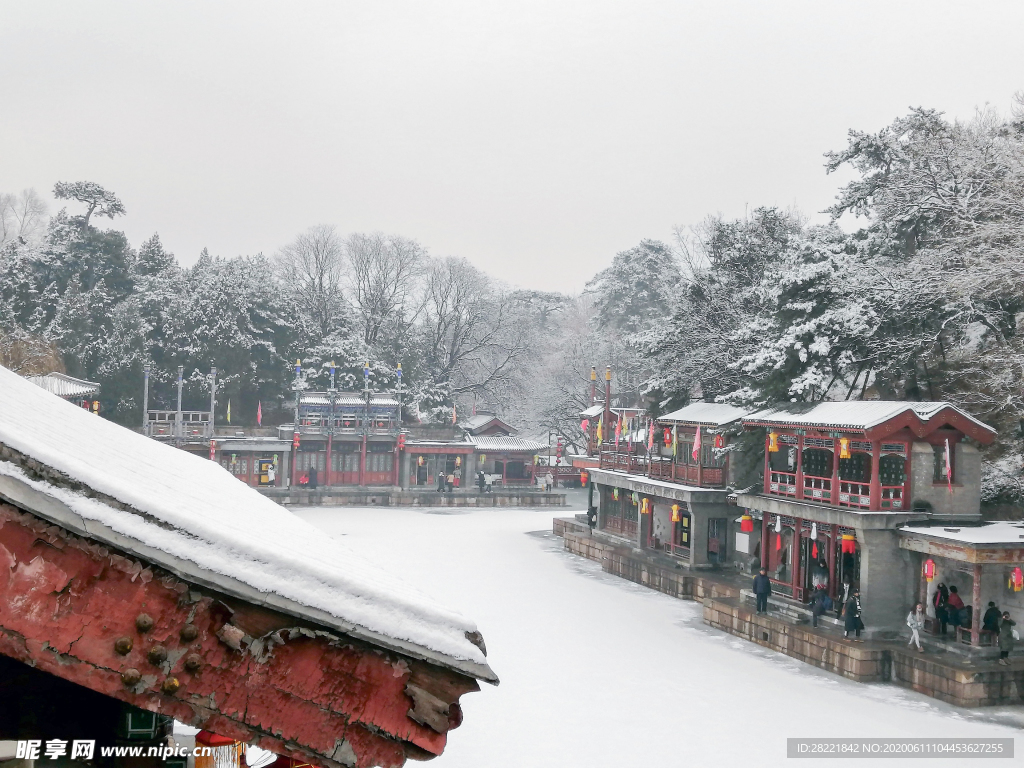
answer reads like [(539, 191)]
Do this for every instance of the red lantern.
[(746, 524), (668, 437), (929, 570), (719, 441), (401, 442), (295, 441), (1016, 580), (583, 477), (849, 544)]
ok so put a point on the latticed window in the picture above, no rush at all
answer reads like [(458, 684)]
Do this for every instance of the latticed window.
[(892, 470), (817, 462), (857, 468)]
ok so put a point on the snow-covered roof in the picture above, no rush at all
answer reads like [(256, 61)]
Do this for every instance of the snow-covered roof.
[(711, 414), (190, 516), (506, 443), (62, 385), (348, 399), (852, 414), (986, 533), (592, 411)]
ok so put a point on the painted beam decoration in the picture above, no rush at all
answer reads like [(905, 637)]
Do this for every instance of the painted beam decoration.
[(89, 614)]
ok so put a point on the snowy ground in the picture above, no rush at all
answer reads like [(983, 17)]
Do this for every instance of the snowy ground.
[(597, 671)]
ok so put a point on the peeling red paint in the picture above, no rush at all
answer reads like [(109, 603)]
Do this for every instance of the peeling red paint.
[(64, 602)]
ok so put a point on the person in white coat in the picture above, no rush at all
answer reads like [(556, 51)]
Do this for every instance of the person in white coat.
[(915, 620)]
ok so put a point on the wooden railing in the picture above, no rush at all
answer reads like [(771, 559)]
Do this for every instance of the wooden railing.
[(782, 484), (853, 494), (892, 497), (817, 488), (663, 468)]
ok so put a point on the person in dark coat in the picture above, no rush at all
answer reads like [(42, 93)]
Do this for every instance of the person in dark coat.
[(312, 477), (1005, 638), (991, 619), (441, 484), (845, 590), (762, 589), (820, 603), (851, 613), (941, 602), (481, 481)]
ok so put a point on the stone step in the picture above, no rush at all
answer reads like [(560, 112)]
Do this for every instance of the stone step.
[(792, 612)]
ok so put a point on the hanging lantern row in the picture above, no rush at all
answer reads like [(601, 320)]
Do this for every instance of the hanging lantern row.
[(929, 570), (1016, 582), (849, 544), (675, 513), (746, 523)]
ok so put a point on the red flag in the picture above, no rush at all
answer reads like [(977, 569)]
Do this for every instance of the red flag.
[(259, 413), (695, 453), (618, 430), (650, 436)]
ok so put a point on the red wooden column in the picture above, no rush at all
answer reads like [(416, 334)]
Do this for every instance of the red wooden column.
[(834, 498), (799, 466), (798, 541), (362, 463), (395, 467), (978, 613), (830, 555), (330, 447), (876, 480), (767, 465)]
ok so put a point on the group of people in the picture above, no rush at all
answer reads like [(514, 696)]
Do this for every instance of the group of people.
[(448, 482), (951, 611), (847, 605)]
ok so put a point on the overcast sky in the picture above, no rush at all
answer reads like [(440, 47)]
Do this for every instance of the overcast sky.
[(536, 139)]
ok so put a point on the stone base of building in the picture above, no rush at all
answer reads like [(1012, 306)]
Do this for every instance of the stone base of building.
[(399, 497), (863, 662), (949, 677)]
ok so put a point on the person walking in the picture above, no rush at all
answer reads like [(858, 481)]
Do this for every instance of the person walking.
[(845, 589), (481, 480), (762, 590), (915, 620), (1006, 638), (851, 613), (440, 482)]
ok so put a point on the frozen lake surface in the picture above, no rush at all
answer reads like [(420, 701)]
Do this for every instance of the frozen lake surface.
[(597, 671)]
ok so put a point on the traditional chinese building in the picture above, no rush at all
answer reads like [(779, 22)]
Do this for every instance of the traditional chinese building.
[(670, 493), (842, 478), (140, 583)]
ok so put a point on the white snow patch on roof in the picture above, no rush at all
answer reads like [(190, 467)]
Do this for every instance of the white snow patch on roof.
[(202, 514), (62, 385), (990, 533), (854, 414), (714, 414), (506, 443)]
